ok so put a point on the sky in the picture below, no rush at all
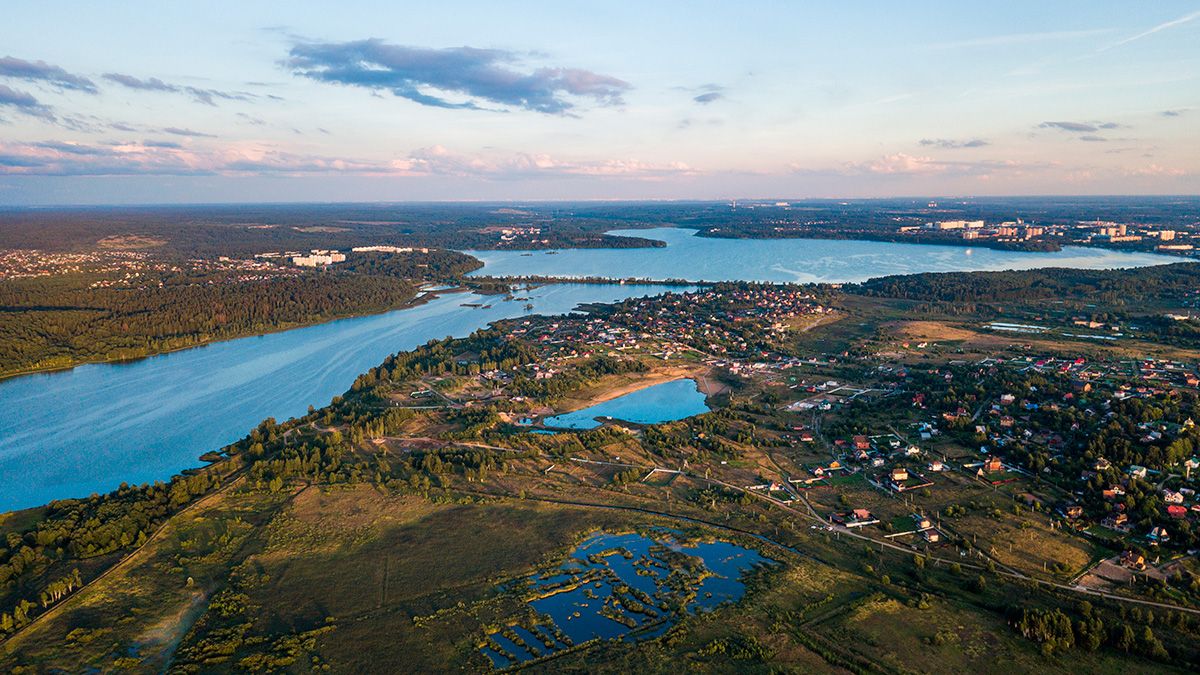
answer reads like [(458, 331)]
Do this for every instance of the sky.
[(216, 101)]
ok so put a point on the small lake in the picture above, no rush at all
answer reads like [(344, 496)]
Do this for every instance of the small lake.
[(664, 402), (695, 258), (623, 586), (72, 433), (85, 430)]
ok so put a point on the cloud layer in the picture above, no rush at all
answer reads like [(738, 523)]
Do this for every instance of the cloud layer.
[(167, 158), (438, 160), (22, 102), (205, 96), (952, 144), (1081, 127), (45, 73), (431, 76)]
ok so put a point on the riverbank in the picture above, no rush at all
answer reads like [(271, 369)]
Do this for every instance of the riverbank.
[(1032, 246), (145, 421), (921, 238), (705, 260), (414, 300), (487, 284)]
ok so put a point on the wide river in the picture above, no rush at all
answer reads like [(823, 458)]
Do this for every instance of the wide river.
[(72, 433), (687, 256), (75, 432)]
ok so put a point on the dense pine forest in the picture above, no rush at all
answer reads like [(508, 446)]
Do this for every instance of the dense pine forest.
[(58, 321), (1119, 287), (433, 266)]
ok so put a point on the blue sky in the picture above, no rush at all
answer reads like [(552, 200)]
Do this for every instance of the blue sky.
[(293, 101)]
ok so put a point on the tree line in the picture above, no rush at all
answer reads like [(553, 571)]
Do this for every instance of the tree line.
[(57, 321)]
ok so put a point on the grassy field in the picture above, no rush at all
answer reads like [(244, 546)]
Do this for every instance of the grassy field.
[(346, 576), (140, 610), (410, 559), (942, 635), (1024, 543)]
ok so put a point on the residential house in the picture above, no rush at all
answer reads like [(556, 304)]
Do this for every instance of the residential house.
[(856, 518), (1158, 535), (1117, 521), (1133, 560), (1190, 464), (1114, 492), (1072, 511)]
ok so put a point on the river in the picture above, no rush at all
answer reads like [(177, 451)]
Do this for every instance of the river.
[(687, 256), (85, 430)]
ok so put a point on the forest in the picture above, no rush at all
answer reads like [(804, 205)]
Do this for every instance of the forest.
[(58, 321), (246, 229), (436, 265), (40, 562), (47, 553), (1111, 287)]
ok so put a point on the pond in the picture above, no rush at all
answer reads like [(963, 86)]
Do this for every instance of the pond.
[(88, 429), (91, 428), (664, 402), (623, 586)]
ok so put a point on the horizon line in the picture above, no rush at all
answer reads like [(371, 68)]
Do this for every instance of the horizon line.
[(590, 200)]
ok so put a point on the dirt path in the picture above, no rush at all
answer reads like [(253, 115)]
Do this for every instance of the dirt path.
[(11, 641), (157, 645), (848, 532)]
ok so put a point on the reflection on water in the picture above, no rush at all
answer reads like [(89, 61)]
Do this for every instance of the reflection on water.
[(626, 586)]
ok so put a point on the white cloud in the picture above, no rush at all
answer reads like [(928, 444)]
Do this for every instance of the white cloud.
[(1160, 27)]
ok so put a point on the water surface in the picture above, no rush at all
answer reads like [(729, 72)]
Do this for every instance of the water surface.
[(85, 430), (616, 586), (664, 402), (695, 258)]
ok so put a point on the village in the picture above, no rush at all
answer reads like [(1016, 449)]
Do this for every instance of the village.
[(801, 418), (119, 268), (975, 459), (1084, 232)]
